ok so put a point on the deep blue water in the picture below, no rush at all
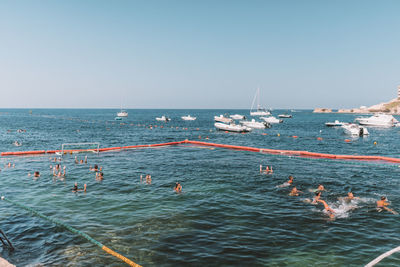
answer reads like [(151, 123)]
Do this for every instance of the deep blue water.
[(228, 213)]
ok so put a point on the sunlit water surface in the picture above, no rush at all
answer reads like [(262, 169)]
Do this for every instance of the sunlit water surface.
[(228, 213)]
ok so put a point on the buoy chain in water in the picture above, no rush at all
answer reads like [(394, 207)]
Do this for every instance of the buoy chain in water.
[(73, 230)]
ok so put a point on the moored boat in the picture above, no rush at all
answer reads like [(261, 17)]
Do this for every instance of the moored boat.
[(255, 124), (223, 119), (378, 120), (354, 129), (238, 117), (334, 124), (271, 119), (232, 127), (122, 113), (260, 111), (188, 118), (284, 116), (163, 118)]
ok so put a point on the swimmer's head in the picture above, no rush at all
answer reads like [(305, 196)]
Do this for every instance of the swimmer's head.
[(290, 177), (95, 166), (383, 198), (318, 193)]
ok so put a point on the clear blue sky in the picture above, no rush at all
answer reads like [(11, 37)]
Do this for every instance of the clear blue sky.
[(198, 54)]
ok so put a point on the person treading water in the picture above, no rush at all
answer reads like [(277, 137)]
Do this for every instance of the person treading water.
[(295, 192), (178, 187), (75, 188), (268, 170)]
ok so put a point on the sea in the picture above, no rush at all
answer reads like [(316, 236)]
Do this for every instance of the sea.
[(228, 214)]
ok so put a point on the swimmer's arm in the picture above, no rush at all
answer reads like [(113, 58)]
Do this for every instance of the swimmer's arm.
[(390, 210)]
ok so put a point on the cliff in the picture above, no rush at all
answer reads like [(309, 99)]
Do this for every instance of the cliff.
[(391, 107)]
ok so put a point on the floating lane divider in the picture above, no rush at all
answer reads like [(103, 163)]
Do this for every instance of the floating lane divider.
[(75, 231), (299, 153)]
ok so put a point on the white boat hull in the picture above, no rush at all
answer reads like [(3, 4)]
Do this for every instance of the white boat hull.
[(260, 113), (188, 118), (284, 116), (354, 129), (378, 120), (163, 118), (237, 117), (334, 124), (255, 124), (122, 114), (222, 119), (231, 127), (271, 119)]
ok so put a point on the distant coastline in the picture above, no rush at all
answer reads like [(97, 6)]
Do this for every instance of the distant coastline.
[(391, 107)]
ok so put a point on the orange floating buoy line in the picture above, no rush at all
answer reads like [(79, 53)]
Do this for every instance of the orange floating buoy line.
[(299, 153)]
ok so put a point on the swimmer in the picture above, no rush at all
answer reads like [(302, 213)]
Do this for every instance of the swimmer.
[(75, 188), (99, 176), (148, 179), (36, 174), (178, 187), (330, 211), (141, 178), (95, 168), (17, 144), (350, 197), (76, 160), (288, 183), (316, 197), (320, 187), (267, 170), (295, 192), (81, 162), (382, 205), (85, 159)]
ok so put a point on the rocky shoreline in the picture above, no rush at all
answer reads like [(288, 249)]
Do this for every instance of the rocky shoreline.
[(392, 107)]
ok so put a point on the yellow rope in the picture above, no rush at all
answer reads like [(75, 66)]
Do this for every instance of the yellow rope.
[(119, 256)]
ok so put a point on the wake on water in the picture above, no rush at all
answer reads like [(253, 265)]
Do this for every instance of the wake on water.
[(343, 207)]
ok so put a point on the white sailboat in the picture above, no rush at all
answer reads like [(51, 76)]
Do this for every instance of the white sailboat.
[(260, 111), (122, 113)]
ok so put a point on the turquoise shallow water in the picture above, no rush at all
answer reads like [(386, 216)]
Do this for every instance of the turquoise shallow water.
[(228, 214)]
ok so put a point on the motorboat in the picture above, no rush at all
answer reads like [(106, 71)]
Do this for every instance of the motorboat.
[(232, 127), (255, 124), (238, 117), (336, 123), (271, 119), (223, 119), (122, 113), (354, 129), (380, 120), (163, 118), (284, 116), (260, 111), (188, 118)]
